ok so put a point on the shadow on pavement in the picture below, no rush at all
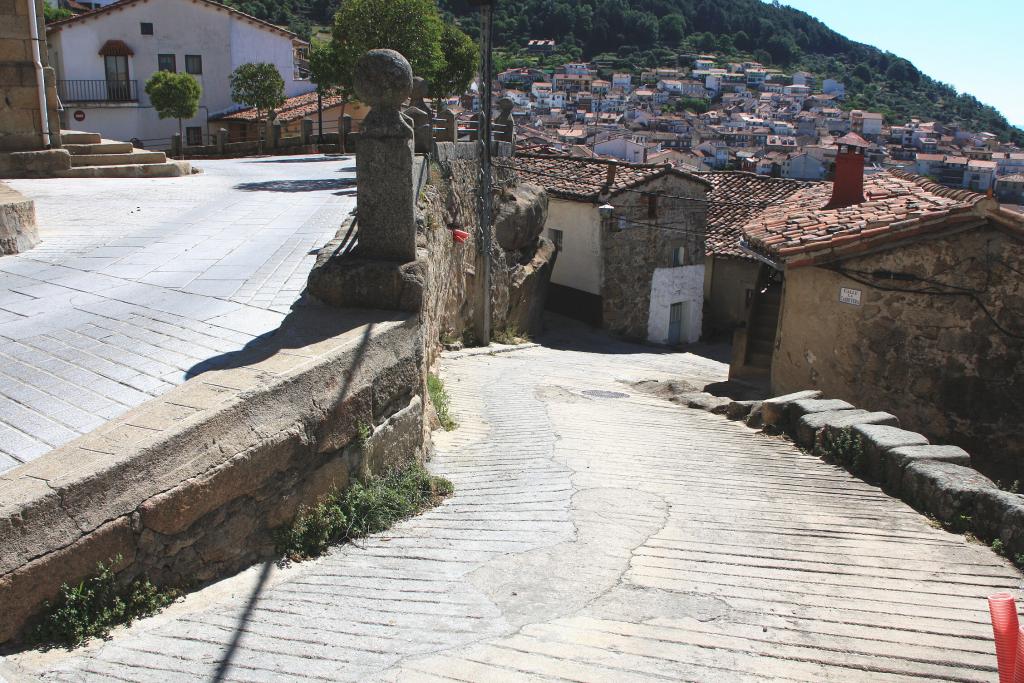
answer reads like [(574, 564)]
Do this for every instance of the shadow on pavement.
[(566, 334), (308, 185), (225, 663), (305, 325), (299, 160)]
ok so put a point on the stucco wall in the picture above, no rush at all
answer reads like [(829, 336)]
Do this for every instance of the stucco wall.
[(676, 285), (632, 254), (936, 362), (579, 262)]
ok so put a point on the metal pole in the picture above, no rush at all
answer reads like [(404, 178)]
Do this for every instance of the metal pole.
[(486, 33)]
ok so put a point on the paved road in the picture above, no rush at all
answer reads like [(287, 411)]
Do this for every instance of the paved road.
[(139, 281), (597, 534)]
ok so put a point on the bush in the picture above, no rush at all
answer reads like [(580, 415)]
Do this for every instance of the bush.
[(363, 508), (96, 605)]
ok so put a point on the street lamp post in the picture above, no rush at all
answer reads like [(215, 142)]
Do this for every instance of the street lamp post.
[(486, 196)]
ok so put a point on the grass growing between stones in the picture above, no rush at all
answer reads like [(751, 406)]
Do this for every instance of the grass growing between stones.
[(439, 397), (361, 509), (96, 605), (511, 335), (841, 447)]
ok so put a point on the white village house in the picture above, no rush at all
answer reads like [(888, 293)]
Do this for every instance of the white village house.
[(104, 57)]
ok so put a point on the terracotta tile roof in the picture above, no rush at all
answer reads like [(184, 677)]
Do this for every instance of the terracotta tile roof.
[(740, 196), (584, 179), (896, 202), (294, 108), (121, 4)]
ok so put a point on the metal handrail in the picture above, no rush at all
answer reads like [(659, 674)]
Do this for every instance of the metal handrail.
[(97, 91)]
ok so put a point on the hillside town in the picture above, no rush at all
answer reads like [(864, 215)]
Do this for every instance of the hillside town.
[(711, 115), (359, 358)]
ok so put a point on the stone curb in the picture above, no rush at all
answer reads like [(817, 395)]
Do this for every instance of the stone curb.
[(935, 479)]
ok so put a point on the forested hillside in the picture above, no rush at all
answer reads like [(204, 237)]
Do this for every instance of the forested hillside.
[(637, 33)]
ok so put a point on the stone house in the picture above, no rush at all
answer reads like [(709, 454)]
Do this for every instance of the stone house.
[(895, 293), (103, 59), (639, 270)]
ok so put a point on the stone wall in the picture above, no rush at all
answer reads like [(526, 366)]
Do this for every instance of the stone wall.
[(936, 362), (191, 486), (521, 259), (632, 254), (20, 125), (17, 222)]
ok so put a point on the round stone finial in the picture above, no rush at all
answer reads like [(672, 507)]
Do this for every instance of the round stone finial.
[(383, 78), (506, 105)]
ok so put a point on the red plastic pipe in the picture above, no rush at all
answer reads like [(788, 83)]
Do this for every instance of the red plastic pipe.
[(1005, 629), (460, 235), (1018, 671)]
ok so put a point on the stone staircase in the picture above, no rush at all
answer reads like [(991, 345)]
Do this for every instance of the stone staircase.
[(94, 157)]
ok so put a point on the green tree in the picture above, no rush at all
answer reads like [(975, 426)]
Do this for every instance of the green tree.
[(51, 13), (257, 85), (462, 56), (672, 28), (326, 71), (173, 95), (411, 27)]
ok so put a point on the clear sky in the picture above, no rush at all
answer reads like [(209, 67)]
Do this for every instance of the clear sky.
[(974, 45)]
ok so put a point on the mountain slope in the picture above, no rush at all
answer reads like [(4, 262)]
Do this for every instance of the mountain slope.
[(639, 33), (651, 32)]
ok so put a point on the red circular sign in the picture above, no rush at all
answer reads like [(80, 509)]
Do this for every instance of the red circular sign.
[(79, 115)]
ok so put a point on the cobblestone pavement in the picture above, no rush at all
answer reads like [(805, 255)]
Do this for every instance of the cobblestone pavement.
[(137, 282), (596, 534)]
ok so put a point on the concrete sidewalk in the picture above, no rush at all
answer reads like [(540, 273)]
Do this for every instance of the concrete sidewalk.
[(596, 534), (139, 283)]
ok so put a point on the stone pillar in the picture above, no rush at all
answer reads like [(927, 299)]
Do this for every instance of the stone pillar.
[(421, 129), (420, 92), (450, 130), (222, 141), (385, 180), (504, 127), (176, 145), (307, 132)]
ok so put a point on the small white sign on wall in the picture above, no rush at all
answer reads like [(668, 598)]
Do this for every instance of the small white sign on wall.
[(849, 296)]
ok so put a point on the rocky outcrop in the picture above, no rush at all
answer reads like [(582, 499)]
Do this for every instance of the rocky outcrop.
[(17, 222), (520, 217)]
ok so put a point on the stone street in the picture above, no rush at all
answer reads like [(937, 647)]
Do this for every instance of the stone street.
[(141, 283), (596, 534)]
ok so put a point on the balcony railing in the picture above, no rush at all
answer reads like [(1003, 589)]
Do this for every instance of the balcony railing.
[(97, 91)]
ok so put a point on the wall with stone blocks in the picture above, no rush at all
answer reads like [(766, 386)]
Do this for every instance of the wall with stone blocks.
[(20, 125), (17, 222), (192, 485)]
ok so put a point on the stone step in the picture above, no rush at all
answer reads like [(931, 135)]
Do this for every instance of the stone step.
[(77, 137), (103, 147), (136, 157), (168, 169)]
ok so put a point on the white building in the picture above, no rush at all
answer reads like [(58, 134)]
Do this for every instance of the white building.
[(623, 81), (624, 148), (830, 86), (104, 58)]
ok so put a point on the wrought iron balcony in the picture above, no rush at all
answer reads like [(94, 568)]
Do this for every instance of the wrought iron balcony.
[(97, 91)]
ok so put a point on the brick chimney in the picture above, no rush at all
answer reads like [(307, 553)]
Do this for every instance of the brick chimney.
[(848, 183), (610, 178)]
